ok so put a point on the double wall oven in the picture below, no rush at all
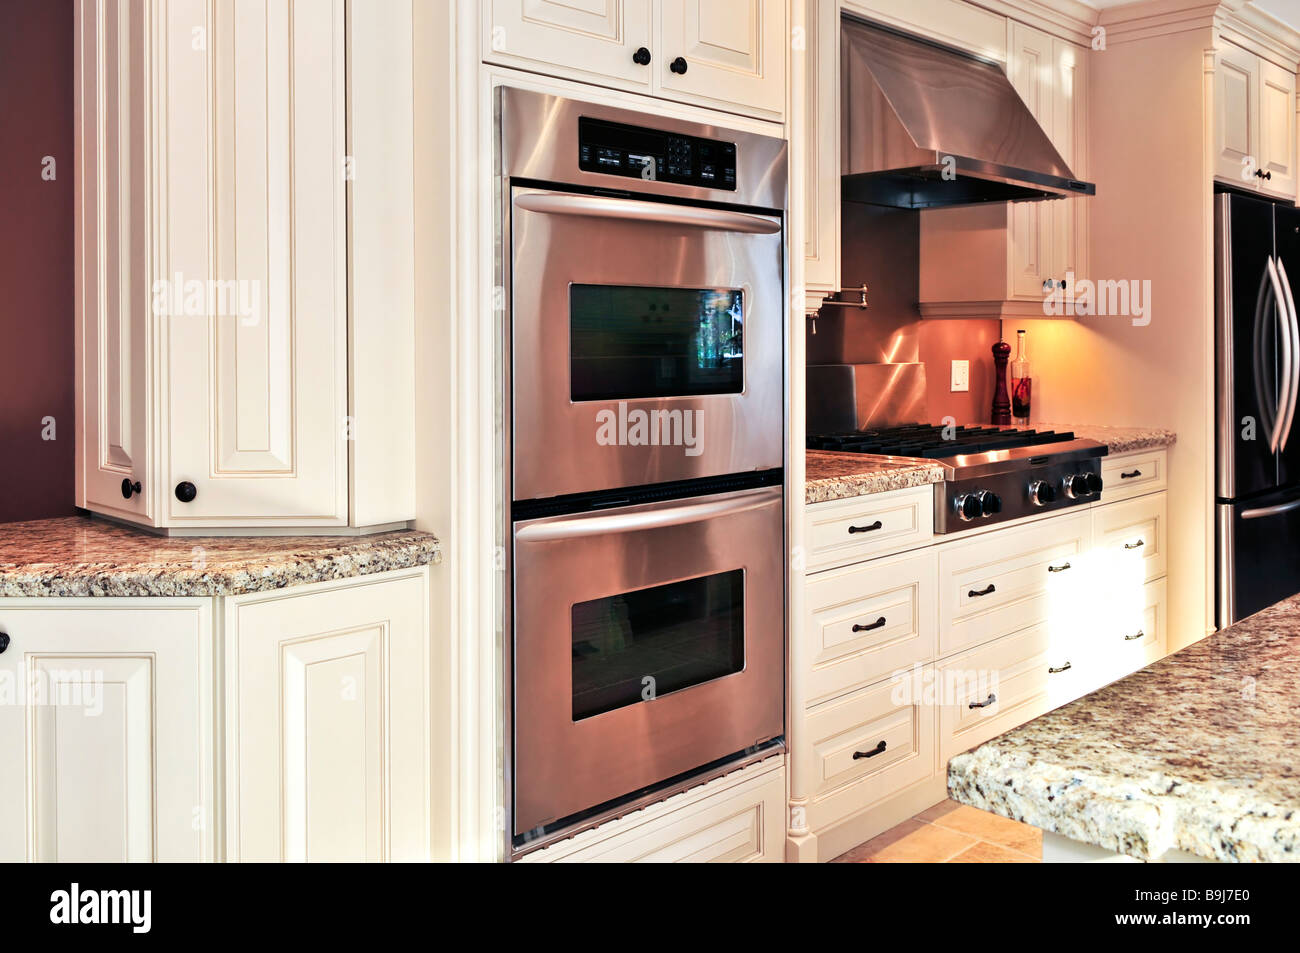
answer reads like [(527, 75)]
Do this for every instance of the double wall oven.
[(644, 261)]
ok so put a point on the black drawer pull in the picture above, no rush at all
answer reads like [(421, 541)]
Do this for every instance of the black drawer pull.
[(867, 628), (1129, 476), (1061, 568), (1066, 667), (984, 704), (878, 749), (866, 529), (982, 592), (1135, 636), (1138, 545)]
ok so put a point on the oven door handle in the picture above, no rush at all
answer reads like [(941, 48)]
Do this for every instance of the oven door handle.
[(604, 206), (599, 524)]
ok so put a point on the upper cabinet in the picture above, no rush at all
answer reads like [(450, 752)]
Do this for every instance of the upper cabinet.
[(218, 388), (1254, 122), (1004, 259), (724, 54), (822, 152)]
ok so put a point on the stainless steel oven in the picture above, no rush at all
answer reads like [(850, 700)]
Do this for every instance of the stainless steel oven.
[(643, 262), (647, 302), (650, 642)]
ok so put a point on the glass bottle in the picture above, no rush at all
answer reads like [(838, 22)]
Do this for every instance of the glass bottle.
[(1021, 383)]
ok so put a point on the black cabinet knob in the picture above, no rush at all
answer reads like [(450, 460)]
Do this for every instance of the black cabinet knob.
[(4, 641), (186, 491), (641, 57), (678, 66), (129, 488)]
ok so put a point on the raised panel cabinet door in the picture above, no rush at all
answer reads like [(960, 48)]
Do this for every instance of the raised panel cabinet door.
[(327, 715), (729, 54), (596, 39), (255, 327), (108, 742), (1236, 116), (822, 132), (1031, 67), (1070, 136), (1277, 130), (111, 178)]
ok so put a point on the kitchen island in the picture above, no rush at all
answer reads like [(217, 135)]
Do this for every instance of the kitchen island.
[(1191, 758)]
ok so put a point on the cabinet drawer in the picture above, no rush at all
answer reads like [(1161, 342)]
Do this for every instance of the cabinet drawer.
[(992, 689), (1131, 539), (739, 817), (847, 531), (868, 621), (1008, 580), (1135, 636), (1133, 474), (870, 745)]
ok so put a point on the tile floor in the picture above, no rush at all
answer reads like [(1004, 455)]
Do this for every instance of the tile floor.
[(951, 833)]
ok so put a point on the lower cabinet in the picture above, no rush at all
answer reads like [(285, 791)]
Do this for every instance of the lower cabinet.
[(912, 657), (116, 726), (106, 730), (327, 722), (737, 818)]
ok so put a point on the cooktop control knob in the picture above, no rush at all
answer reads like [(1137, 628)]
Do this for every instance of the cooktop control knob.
[(1094, 483), (990, 503), (1041, 493), (1076, 487), (969, 507)]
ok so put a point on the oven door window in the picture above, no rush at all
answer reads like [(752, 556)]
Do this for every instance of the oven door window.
[(641, 645), (627, 342)]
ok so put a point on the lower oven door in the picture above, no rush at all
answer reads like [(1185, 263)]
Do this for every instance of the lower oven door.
[(648, 641)]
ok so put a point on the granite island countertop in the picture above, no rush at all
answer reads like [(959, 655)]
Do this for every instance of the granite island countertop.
[(80, 556), (1117, 439), (1196, 752)]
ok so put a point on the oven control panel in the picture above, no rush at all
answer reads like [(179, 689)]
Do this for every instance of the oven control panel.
[(638, 153)]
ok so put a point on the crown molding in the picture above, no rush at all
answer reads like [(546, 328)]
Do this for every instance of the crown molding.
[(1068, 19), (1236, 21)]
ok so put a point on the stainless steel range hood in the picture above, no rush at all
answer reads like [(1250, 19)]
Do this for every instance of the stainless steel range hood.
[(925, 126)]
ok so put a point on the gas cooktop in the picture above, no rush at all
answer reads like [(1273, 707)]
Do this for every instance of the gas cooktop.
[(991, 474), (933, 441)]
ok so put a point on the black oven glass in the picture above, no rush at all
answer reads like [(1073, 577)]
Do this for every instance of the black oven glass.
[(629, 342), (637, 646)]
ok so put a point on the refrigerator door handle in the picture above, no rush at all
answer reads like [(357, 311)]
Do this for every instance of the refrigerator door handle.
[(1264, 391), (1294, 331), (1261, 512), (1284, 320)]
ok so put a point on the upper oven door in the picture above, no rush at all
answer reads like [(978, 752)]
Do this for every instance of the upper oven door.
[(647, 342), (649, 640)]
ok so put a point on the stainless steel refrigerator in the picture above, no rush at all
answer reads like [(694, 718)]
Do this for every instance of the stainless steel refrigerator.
[(1257, 371)]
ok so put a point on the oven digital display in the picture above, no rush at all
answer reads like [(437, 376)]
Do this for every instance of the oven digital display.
[(637, 153)]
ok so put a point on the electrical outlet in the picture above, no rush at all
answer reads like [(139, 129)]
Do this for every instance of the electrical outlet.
[(960, 376)]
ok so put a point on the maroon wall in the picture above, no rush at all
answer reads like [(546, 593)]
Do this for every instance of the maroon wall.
[(36, 259)]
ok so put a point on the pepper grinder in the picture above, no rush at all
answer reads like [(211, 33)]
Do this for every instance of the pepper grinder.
[(1001, 399)]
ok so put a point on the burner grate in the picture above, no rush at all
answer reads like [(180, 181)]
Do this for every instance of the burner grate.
[(928, 441)]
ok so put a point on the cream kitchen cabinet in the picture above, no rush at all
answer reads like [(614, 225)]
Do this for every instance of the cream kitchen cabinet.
[(1254, 122), (222, 381), (327, 715), (1005, 259), (822, 152), (107, 730), (724, 54)]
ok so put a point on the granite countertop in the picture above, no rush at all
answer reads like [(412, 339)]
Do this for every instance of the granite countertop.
[(1195, 752), (1117, 439), (78, 556), (838, 476)]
